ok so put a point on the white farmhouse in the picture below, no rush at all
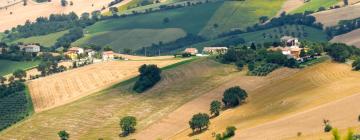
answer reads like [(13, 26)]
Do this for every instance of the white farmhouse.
[(30, 48)]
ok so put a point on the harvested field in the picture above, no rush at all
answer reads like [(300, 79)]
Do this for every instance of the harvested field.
[(62, 88), (97, 116), (291, 5), (332, 17), (351, 38), (308, 89), (22, 13)]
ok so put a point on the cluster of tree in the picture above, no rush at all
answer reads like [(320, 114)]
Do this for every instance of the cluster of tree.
[(66, 40), (343, 27), (257, 56), (11, 88), (230, 132), (13, 52), (149, 76), (284, 19), (14, 104), (49, 65), (167, 48), (55, 23), (340, 52), (114, 2)]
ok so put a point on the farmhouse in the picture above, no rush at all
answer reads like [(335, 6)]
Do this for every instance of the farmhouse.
[(108, 55), (73, 52), (214, 50), (30, 48), (291, 47), (192, 51)]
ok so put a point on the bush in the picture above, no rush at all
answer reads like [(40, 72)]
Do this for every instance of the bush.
[(327, 128), (230, 131), (127, 125), (215, 107), (239, 65), (234, 96), (149, 76)]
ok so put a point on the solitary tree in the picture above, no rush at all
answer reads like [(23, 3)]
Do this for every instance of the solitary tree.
[(215, 107), (356, 64), (199, 121), (234, 96), (149, 76), (19, 74), (63, 135), (127, 125)]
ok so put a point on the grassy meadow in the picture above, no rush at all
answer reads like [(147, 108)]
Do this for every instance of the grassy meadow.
[(314, 5), (131, 38), (7, 66), (45, 40), (239, 15)]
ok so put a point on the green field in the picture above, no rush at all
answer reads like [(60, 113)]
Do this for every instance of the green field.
[(239, 15), (274, 35), (133, 38), (7, 67), (314, 5), (45, 40)]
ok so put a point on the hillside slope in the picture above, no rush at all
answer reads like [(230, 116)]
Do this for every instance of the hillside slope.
[(307, 89), (351, 38), (97, 116), (59, 89), (332, 17)]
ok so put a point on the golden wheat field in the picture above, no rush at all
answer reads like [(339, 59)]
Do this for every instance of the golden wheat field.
[(62, 88), (281, 108)]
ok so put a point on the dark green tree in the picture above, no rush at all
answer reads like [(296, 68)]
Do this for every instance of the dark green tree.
[(149, 76), (19, 74), (215, 108), (127, 125), (63, 135), (199, 121), (234, 96), (114, 11), (356, 64)]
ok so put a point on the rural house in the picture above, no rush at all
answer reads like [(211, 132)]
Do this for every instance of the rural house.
[(90, 53), (192, 51), (73, 52), (291, 47), (108, 55), (30, 48), (214, 50)]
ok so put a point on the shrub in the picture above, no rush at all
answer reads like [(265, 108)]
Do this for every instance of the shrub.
[(127, 125), (230, 131), (63, 135), (149, 76), (328, 128)]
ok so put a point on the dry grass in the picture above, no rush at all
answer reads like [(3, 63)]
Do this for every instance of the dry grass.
[(351, 38), (284, 99), (291, 5), (332, 17), (98, 115), (62, 88), (34, 10)]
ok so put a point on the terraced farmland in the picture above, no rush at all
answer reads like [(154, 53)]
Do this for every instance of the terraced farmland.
[(62, 88)]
